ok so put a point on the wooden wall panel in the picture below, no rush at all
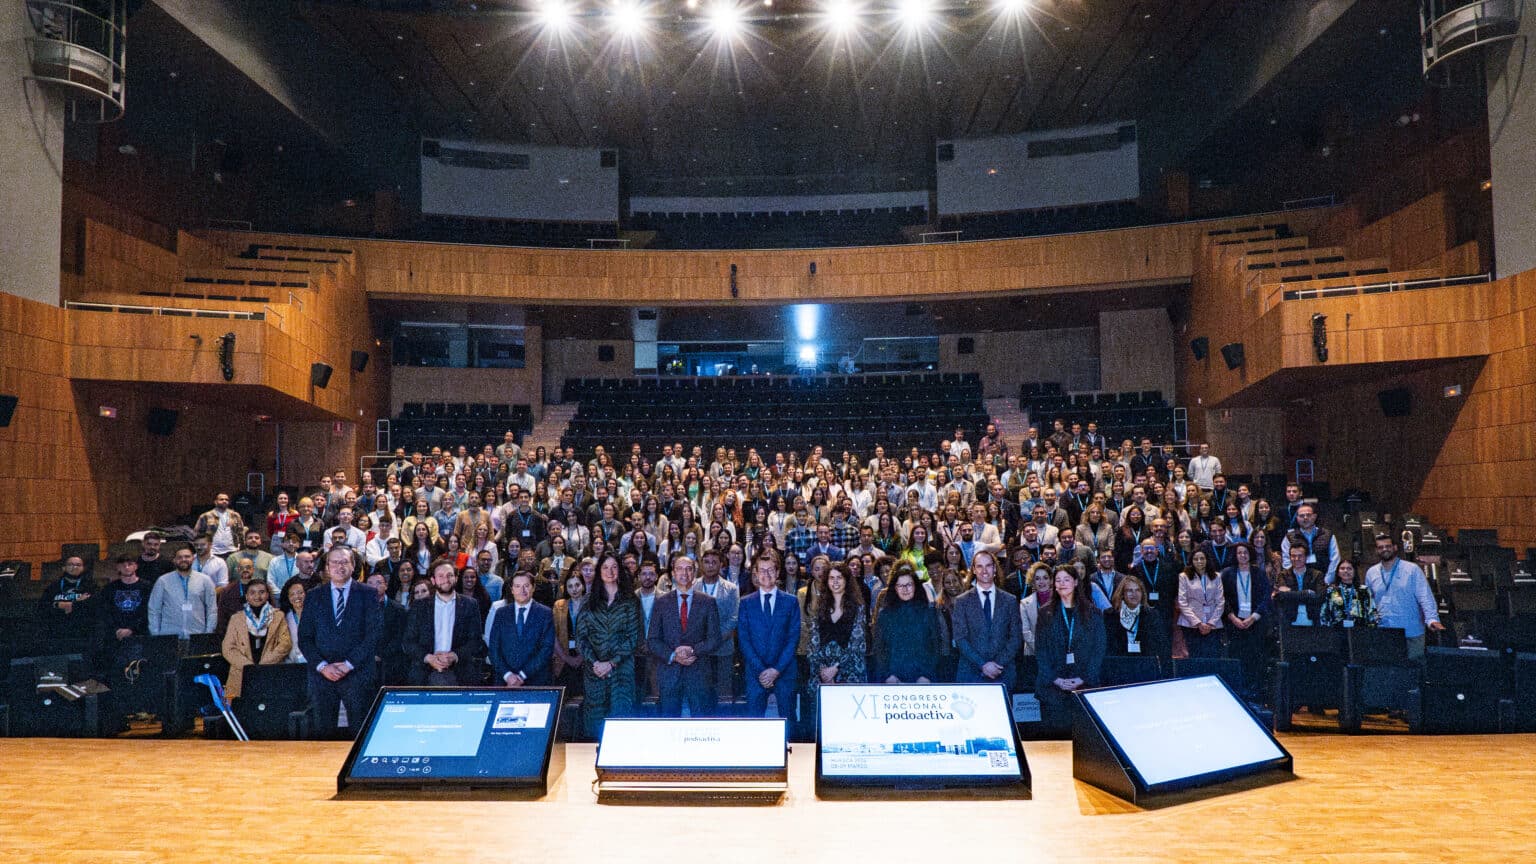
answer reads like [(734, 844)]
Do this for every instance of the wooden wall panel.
[(1155, 254)]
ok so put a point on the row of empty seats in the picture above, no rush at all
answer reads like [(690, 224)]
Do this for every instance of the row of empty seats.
[(422, 425), (853, 412)]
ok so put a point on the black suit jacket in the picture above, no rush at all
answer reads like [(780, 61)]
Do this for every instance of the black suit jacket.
[(355, 640), (529, 652), (467, 641), (667, 634)]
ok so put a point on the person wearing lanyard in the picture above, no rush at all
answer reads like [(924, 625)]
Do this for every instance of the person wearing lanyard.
[(1201, 604), (1403, 597), (1069, 648), (182, 602), (1131, 628), (1247, 593)]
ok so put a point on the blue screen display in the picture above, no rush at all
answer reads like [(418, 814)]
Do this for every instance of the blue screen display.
[(458, 734)]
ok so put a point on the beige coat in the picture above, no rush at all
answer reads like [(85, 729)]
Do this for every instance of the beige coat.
[(237, 647)]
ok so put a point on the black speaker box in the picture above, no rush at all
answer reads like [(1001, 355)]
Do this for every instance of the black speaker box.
[(1397, 402), (359, 361), (1462, 690), (965, 345), (1232, 353), (319, 375), (1200, 347), (7, 409), (161, 421), (605, 353)]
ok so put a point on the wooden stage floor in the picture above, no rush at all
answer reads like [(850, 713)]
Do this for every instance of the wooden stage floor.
[(1357, 799)]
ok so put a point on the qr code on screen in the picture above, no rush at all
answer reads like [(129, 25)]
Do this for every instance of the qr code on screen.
[(997, 759)]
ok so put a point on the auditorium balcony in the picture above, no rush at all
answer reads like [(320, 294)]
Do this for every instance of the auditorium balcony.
[(838, 412), (872, 227)]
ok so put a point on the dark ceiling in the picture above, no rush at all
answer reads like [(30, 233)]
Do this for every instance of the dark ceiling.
[(788, 99)]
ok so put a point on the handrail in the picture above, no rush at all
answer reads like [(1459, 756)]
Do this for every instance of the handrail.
[(166, 311), (1387, 286), (954, 236)]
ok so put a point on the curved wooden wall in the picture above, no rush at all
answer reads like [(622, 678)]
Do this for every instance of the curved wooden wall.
[(1158, 254)]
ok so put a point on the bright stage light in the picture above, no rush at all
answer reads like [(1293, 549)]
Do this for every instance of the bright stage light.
[(807, 355), (807, 319), (841, 16), (726, 19), (555, 15), (915, 14), (1011, 7), (628, 18)]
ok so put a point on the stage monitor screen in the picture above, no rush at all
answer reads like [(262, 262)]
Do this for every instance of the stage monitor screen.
[(452, 736), (1183, 731), (917, 735), (707, 744)]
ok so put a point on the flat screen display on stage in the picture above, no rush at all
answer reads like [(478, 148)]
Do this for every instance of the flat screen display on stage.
[(449, 735), (702, 744), (1179, 730), (917, 735)]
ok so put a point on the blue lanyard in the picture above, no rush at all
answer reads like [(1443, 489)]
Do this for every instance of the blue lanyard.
[(1153, 580), (1136, 628), (1068, 615), (1386, 578)]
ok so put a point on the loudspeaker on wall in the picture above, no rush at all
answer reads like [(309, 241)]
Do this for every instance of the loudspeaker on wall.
[(1232, 353), (1396, 402), (319, 375), (1200, 347), (7, 409), (161, 421), (359, 361)]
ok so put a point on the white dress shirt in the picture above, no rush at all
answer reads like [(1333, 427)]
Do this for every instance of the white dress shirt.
[(442, 622)]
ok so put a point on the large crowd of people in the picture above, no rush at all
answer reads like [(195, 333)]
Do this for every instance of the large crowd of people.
[(702, 580)]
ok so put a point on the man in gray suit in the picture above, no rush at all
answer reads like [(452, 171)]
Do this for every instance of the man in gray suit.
[(986, 627), (727, 601), (684, 634)]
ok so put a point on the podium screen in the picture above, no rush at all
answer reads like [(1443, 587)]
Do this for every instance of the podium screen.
[(701, 744), (1175, 730), (451, 735), (925, 734)]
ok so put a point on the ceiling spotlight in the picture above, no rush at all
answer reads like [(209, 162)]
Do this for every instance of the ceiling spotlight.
[(1012, 7), (841, 16), (555, 15), (725, 19), (915, 14), (628, 18)]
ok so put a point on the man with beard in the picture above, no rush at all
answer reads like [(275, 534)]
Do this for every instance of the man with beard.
[(1402, 596)]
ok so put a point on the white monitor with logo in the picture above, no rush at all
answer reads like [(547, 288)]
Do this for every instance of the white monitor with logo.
[(917, 736)]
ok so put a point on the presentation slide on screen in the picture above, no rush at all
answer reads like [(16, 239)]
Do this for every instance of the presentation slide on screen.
[(442, 734), (916, 730), (1155, 723), (701, 743)]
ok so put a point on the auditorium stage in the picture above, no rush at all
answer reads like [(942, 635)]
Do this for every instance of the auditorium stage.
[(1366, 799)]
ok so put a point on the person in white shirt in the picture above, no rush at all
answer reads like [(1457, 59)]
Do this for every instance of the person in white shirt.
[(355, 538), (1204, 468), (183, 601), (209, 564), (1402, 596), (959, 448)]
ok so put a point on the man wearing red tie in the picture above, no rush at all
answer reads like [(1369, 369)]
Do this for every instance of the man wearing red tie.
[(685, 631)]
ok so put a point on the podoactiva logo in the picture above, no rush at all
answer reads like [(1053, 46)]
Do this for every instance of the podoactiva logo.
[(962, 706)]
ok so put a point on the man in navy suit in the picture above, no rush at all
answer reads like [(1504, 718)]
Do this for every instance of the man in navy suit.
[(442, 635), (768, 629), (685, 631), (522, 637), (339, 635)]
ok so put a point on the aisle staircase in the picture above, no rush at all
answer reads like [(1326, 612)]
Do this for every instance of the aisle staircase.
[(549, 429), (1012, 423)]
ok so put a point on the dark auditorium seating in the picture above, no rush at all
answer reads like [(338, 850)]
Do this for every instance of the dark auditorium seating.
[(1133, 415), (423, 425), (853, 412)]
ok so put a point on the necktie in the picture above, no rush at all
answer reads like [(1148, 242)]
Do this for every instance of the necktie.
[(522, 618), (768, 605), (986, 605), (683, 613), (341, 605)]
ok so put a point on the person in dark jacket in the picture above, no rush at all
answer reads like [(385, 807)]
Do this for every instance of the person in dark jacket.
[(906, 632), (1069, 648), (1248, 591), (392, 641), (65, 610), (1132, 628)]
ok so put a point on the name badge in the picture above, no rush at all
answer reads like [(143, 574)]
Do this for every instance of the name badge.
[(571, 643), (1133, 647), (186, 607), (1349, 622), (1071, 658), (527, 532), (1152, 596), (1244, 610)]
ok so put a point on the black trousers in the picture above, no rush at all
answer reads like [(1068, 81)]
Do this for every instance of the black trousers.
[(355, 691)]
